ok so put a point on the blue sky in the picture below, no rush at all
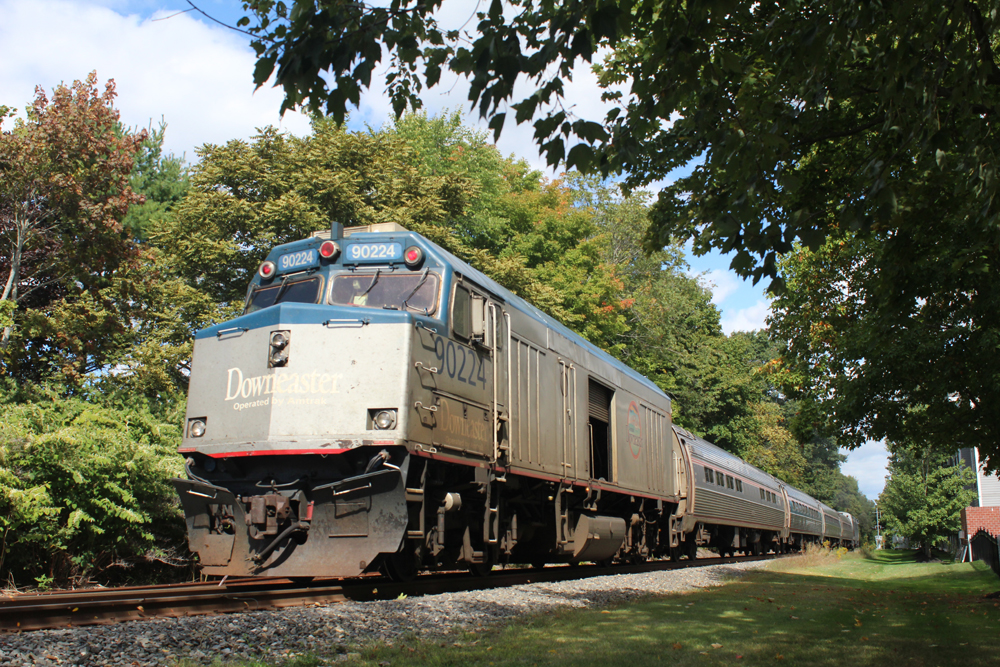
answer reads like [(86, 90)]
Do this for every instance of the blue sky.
[(197, 77)]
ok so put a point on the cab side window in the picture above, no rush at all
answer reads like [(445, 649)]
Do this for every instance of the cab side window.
[(461, 309)]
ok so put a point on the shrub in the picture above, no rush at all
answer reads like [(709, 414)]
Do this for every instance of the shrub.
[(84, 490)]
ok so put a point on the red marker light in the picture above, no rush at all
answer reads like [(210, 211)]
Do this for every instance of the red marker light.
[(329, 250), (266, 270), (413, 256)]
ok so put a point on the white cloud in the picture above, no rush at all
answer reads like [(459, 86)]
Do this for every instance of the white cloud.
[(197, 77), (722, 282), (867, 464), (746, 319)]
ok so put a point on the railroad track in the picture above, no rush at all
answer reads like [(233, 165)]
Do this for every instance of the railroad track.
[(61, 609)]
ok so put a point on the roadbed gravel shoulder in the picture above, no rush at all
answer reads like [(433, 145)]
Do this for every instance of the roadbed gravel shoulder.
[(330, 631)]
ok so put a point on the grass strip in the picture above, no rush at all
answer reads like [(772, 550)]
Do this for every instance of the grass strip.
[(814, 610)]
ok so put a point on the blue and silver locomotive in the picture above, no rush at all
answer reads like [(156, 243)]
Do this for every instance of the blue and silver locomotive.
[(381, 404)]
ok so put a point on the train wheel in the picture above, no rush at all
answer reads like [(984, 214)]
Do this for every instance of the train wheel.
[(401, 566), (675, 554), (480, 569), (691, 549)]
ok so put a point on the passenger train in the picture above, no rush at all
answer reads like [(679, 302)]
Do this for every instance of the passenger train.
[(382, 405)]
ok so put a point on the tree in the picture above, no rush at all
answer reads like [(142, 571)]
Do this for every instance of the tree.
[(64, 190), (804, 121), (246, 198), (924, 494), (884, 364), (161, 179), (770, 95)]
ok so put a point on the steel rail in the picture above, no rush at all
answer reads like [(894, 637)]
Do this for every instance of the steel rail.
[(62, 609)]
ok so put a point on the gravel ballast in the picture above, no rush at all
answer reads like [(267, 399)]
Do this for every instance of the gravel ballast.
[(328, 630)]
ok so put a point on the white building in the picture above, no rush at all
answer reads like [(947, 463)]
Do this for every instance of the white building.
[(987, 486)]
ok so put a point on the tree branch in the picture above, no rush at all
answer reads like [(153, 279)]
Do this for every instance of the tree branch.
[(841, 134), (224, 25), (983, 41)]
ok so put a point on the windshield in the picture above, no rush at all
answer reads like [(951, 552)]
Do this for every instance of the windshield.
[(394, 291), (299, 291)]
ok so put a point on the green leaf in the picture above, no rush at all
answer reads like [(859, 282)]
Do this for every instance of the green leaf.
[(265, 67)]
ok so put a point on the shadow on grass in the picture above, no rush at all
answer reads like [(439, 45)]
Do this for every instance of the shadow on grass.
[(907, 556), (767, 618), (894, 556)]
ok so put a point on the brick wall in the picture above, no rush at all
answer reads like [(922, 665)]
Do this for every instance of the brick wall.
[(975, 519)]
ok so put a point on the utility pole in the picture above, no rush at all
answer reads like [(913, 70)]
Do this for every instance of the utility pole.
[(878, 527)]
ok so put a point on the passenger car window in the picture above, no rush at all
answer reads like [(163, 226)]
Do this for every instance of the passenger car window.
[(391, 291), (729, 481), (708, 475), (739, 486)]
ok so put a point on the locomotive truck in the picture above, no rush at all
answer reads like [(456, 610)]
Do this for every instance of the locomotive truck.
[(382, 405)]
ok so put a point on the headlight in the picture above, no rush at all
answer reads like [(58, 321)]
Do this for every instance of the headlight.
[(277, 354), (196, 428), (279, 339), (385, 419)]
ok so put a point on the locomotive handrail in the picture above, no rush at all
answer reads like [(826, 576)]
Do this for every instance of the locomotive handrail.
[(356, 488), (352, 320), (222, 332), (420, 325), (420, 406), (430, 369)]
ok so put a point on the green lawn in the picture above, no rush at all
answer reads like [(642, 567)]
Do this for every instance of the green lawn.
[(815, 610)]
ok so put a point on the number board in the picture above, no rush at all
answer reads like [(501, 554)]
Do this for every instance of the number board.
[(298, 260), (356, 253)]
